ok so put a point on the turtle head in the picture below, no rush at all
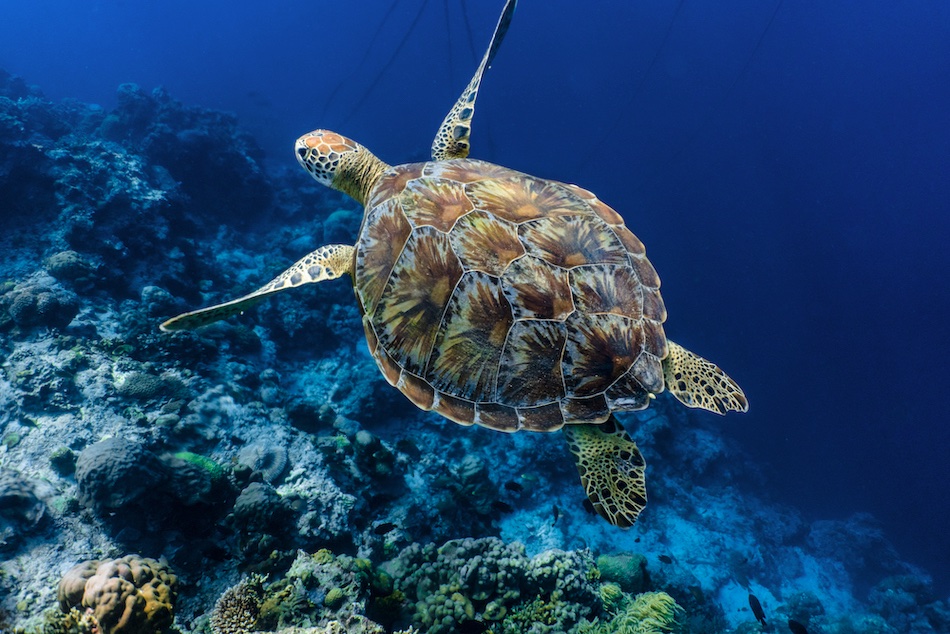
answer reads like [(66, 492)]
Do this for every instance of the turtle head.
[(339, 163)]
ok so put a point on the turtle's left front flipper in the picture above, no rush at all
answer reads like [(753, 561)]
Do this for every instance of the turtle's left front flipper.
[(452, 139), (611, 469), (697, 382), (326, 263)]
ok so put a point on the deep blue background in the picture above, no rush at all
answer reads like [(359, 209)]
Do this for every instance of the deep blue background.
[(796, 202)]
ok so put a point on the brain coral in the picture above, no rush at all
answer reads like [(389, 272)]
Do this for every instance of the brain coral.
[(20, 510), (130, 595), (115, 473)]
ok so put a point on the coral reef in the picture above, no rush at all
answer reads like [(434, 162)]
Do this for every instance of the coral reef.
[(131, 595), (488, 580), (646, 613), (239, 608), (269, 444), (40, 302), (21, 511)]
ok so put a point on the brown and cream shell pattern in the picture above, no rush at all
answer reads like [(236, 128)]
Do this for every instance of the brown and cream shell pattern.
[(504, 300)]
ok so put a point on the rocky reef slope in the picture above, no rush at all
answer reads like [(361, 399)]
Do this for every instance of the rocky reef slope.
[(259, 474)]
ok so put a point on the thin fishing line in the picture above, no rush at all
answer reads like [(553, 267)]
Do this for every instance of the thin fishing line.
[(448, 31), (624, 112), (359, 67), (715, 110), (379, 75), (468, 31)]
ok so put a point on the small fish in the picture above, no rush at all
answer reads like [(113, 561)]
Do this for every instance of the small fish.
[(409, 448), (385, 527), (796, 627), (511, 485), (757, 609), (557, 514), (501, 507), (637, 540), (665, 559), (589, 507), (472, 627)]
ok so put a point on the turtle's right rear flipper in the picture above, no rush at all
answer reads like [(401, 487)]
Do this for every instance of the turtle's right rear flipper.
[(611, 469), (326, 263)]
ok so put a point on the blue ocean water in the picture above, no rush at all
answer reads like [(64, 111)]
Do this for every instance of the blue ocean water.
[(786, 163)]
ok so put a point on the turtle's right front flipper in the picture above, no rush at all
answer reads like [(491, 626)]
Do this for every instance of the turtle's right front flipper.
[(611, 469), (326, 263), (452, 139)]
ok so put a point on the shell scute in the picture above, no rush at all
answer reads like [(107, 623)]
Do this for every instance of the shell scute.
[(520, 198), (417, 390), (408, 315), (541, 418), (383, 240), (470, 341), (530, 370), (630, 242), (465, 171), (653, 306), (592, 409), (645, 271), (569, 241), (537, 290), (486, 243), (604, 288), (393, 182), (600, 348), (497, 416), (457, 410), (436, 202)]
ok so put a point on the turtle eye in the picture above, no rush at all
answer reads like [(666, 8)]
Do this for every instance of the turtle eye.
[(302, 153)]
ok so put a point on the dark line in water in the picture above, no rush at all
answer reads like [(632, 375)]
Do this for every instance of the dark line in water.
[(468, 31), (715, 109), (359, 67), (379, 75), (448, 34), (594, 151)]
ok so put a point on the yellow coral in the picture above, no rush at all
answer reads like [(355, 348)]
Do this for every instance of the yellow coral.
[(647, 613), (130, 595)]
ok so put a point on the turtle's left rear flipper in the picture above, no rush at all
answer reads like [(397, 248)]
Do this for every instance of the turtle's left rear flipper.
[(326, 263), (611, 469)]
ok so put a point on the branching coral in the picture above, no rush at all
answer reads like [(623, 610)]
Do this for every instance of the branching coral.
[(237, 610)]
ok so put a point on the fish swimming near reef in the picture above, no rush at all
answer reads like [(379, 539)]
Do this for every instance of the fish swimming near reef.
[(472, 627), (796, 627), (502, 507), (513, 486), (757, 610)]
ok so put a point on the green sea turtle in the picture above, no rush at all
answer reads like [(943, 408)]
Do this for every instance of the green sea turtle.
[(501, 299)]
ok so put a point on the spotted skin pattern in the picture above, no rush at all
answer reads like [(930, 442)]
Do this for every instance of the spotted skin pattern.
[(612, 470)]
